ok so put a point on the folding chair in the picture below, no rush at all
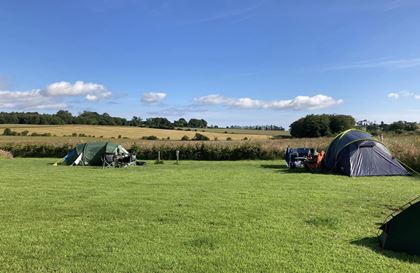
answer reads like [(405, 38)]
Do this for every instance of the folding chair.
[(109, 161)]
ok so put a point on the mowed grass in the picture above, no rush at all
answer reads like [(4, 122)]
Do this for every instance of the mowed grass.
[(244, 216), (133, 132)]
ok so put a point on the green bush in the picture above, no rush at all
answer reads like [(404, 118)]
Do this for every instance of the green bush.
[(9, 132), (41, 134), (200, 137), (185, 138), (150, 138), (198, 151)]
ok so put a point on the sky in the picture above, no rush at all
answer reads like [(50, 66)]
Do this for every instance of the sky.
[(232, 62)]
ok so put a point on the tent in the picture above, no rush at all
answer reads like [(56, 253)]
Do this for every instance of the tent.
[(357, 153), (92, 154), (402, 231)]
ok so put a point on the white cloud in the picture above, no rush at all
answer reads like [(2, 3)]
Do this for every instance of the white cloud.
[(91, 91), (153, 97), (52, 96), (417, 97), (393, 95), (299, 102), (33, 99)]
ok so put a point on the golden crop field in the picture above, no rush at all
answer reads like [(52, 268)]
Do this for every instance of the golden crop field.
[(244, 131), (138, 132)]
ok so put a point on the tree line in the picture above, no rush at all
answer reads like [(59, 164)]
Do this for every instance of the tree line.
[(93, 118), (329, 125), (257, 127), (397, 127)]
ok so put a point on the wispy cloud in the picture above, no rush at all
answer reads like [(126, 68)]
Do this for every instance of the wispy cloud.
[(177, 111), (297, 103), (153, 97), (227, 14), (403, 93), (396, 4), (396, 64), (234, 14), (4, 82)]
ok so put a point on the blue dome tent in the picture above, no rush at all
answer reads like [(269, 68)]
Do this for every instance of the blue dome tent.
[(357, 153)]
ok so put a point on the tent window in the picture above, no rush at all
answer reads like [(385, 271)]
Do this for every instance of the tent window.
[(367, 145)]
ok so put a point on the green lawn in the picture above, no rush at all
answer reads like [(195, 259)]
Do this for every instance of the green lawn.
[(246, 216)]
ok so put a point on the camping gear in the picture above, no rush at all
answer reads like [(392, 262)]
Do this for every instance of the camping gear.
[(104, 154), (315, 162), (295, 156), (357, 153), (401, 230)]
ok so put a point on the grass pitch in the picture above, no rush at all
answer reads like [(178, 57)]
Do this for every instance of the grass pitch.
[(245, 216)]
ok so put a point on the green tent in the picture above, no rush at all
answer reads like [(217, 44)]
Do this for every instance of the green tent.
[(92, 154), (402, 231)]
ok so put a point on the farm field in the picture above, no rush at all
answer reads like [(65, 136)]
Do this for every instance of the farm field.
[(243, 131), (139, 132), (242, 216)]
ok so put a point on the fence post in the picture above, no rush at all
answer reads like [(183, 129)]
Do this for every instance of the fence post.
[(158, 157), (177, 157)]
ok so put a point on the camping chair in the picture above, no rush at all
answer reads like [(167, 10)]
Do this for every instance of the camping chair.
[(109, 160), (316, 163), (127, 160)]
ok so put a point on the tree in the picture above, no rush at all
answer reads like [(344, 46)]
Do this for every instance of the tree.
[(180, 123), (162, 123), (197, 123), (65, 116), (135, 121), (321, 125), (340, 123)]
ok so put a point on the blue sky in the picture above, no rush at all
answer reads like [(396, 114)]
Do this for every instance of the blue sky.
[(229, 62)]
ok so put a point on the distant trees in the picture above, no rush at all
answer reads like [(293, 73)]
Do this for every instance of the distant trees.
[(398, 127), (180, 123), (135, 121), (257, 127), (197, 123), (94, 118), (61, 117), (321, 125), (162, 123)]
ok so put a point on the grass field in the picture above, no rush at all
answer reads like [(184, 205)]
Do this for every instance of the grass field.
[(243, 216), (138, 133)]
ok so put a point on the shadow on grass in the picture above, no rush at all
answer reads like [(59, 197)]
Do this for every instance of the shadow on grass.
[(373, 244), (285, 169)]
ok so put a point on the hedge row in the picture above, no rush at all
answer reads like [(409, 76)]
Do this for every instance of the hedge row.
[(198, 151)]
